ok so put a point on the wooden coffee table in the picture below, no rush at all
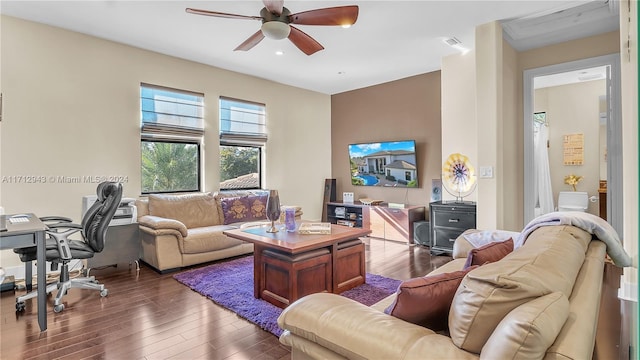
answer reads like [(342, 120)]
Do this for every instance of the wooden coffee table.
[(288, 265)]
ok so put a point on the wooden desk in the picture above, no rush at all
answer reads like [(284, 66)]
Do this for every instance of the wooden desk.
[(336, 268), (27, 234)]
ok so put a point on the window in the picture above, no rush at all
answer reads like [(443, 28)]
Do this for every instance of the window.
[(242, 140), (172, 130)]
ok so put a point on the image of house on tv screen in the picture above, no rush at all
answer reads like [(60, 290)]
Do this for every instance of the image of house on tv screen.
[(391, 164)]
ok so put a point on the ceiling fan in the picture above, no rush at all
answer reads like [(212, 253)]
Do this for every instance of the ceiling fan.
[(277, 19)]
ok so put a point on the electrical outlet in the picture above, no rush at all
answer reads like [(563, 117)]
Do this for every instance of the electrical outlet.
[(486, 172)]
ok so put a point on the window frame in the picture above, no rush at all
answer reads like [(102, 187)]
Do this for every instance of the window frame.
[(158, 132), (257, 140), (260, 149), (175, 141)]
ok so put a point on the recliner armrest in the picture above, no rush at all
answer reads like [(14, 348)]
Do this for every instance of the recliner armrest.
[(160, 223), (356, 331)]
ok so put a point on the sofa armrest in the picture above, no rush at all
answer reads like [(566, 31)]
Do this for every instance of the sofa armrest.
[(462, 246), (160, 223), (356, 331)]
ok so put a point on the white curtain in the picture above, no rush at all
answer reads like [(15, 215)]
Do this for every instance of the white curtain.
[(543, 193)]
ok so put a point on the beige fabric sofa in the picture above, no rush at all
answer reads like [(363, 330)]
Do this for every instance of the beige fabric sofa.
[(540, 301), (186, 229)]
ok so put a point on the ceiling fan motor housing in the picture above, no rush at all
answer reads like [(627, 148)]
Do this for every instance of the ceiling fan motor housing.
[(269, 16)]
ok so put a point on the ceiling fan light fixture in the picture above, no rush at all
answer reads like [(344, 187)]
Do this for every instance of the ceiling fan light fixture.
[(276, 30)]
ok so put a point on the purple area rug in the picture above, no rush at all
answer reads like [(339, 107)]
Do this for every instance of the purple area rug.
[(230, 284)]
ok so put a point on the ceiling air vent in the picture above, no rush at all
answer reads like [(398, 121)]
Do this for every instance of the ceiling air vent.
[(452, 41)]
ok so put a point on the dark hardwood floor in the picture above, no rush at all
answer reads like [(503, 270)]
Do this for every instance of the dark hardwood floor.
[(152, 316)]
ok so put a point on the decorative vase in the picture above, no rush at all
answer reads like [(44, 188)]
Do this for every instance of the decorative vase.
[(273, 210), (290, 219)]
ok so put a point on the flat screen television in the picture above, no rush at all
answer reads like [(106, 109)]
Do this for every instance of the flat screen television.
[(385, 164)]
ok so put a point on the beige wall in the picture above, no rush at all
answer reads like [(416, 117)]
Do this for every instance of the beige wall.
[(603, 44), (486, 81), (499, 140), (510, 147), (459, 111), (573, 109), (406, 109), (489, 116), (71, 108)]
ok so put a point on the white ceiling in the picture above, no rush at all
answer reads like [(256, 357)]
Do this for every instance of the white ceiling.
[(570, 77), (391, 39)]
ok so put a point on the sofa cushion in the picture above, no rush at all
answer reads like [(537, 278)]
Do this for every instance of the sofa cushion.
[(208, 238), (425, 301), (453, 265), (528, 330), (541, 266), (193, 210), (244, 208), (491, 252)]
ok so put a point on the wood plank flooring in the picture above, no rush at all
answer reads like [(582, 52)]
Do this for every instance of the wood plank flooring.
[(151, 316)]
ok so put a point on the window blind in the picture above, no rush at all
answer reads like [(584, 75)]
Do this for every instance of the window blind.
[(171, 112), (242, 121)]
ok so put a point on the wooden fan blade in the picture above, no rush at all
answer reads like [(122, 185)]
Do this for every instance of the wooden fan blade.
[(341, 15), (220, 14), (252, 41), (274, 6), (304, 42)]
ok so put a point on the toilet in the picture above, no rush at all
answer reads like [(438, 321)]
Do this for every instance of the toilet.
[(573, 201)]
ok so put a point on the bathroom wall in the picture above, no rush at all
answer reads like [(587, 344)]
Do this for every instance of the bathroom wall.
[(573, 109)]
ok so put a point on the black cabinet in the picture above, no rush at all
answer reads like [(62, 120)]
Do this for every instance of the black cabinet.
[(352, 215), (448, 221)]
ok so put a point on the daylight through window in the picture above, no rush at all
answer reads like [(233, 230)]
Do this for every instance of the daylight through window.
[(242, 141), (171, 134)]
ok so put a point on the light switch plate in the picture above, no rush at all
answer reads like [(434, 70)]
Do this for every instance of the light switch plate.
[(486, 172)]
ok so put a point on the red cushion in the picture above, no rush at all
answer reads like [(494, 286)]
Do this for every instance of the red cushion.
[(425, 301), (489, 253)]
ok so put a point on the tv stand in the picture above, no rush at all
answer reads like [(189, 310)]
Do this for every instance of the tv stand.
[(387, 223)]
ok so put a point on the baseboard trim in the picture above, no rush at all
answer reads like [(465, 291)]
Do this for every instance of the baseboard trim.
[(628, 291), (19, 272)]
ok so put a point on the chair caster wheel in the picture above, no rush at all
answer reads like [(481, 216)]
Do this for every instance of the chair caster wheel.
[(20, 306), (58, 308), (104, 292)]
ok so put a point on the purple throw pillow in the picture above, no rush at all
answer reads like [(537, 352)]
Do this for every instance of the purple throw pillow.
[(244, 208)]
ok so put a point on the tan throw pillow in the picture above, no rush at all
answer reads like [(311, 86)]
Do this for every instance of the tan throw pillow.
[(528, 330), (425, 301), (491, 252), (193, 210)]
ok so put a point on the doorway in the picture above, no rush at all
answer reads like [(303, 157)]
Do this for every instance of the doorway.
[(610, 116)]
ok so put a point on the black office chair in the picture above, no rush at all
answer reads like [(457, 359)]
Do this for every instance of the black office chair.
[(61, 250)]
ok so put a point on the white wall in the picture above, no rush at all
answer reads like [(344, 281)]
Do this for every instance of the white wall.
[(72, 108)]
